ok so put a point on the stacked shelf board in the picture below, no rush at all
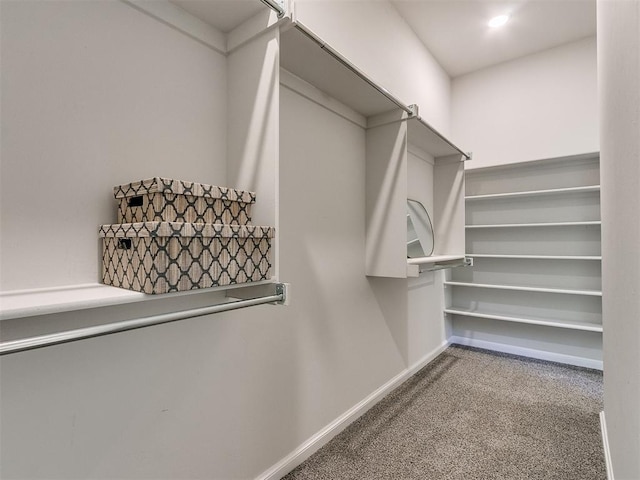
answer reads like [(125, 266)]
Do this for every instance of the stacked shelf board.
[(533, 232)]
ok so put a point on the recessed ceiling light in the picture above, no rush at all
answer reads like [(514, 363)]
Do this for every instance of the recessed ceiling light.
[(498, 21)]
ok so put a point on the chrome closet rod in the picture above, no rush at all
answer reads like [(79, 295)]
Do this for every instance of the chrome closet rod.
[(275, 6), (110, 328), (353, 68)]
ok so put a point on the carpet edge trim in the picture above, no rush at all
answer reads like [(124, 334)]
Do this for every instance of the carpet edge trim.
[(323, 436), (528, 352), (605, 446)]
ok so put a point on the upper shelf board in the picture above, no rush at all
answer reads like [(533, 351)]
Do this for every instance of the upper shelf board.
[(422, 135), (224, 15), (310, 58), (306, 56)]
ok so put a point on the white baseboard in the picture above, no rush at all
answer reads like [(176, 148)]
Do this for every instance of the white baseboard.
[(313, 444), (527, 352), (605, 446)]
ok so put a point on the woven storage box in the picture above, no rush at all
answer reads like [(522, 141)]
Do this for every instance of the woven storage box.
[(162, 257), (165, 200)]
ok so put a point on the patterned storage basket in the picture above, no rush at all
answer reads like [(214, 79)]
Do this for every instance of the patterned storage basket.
[(161, 257), (165, 200)]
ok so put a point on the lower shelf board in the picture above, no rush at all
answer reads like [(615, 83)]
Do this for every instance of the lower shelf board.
[(536, 257), (546, 224), (587, 327), (565, 291)]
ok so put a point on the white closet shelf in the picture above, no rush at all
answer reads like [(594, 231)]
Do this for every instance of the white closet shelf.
[(310, 58), (430, 140), (533, 193), (307, 56), (546, 224), (45, 301), (593, 293), (224, 19), (571, 325), (537, 257)]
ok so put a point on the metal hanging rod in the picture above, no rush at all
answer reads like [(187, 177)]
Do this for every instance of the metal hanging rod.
[(275, 5), (110, 328), (407, 108)]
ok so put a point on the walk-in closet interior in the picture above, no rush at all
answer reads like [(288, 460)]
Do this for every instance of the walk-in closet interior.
[(387, 196)]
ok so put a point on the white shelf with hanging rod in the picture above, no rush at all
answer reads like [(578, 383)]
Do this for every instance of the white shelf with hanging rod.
[(59, 277), (307, 59)]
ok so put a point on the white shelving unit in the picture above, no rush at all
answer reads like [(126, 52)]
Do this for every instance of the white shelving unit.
[(319, 72), (256, 49), (533, 231), (60, 275)]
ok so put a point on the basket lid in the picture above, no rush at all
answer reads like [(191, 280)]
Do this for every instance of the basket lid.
[(181, 187), (183, 229)]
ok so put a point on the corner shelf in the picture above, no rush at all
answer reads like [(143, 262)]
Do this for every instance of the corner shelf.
[(527, 320)]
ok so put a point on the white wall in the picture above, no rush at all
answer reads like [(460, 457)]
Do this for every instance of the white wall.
[(619, 76), (95, 94), (374, 36), (222, 397), (539, 106)]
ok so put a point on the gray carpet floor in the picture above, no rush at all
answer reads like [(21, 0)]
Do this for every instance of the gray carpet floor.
[(473, 414)]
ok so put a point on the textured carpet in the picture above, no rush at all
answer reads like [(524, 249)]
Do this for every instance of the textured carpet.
[(474, 414)]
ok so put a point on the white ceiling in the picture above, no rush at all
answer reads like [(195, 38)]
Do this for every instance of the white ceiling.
[(456, 31)]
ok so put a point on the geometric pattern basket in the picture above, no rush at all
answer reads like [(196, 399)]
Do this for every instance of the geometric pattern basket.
[(162, 257), (166, 200)]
